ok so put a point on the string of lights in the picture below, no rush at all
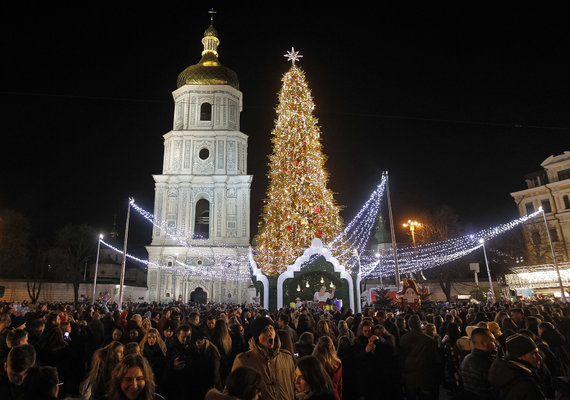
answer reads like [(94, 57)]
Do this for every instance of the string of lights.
[(431, 255), (208, 272), (356, 234), (354, 239)]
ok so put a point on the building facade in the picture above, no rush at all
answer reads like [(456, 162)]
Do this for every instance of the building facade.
[(200, 242), (548, 188)]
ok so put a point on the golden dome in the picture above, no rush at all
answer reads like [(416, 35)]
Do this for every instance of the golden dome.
[(208, 71)]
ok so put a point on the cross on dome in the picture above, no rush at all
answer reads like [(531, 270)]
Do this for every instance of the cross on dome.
[(293, 55), (211, 12)]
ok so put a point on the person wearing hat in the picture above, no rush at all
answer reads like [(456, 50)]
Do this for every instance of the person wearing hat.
[(265, 355), (18, 322), (516, 376), (208, 360)]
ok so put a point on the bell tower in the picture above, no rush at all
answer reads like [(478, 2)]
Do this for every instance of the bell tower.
[(202, 197)]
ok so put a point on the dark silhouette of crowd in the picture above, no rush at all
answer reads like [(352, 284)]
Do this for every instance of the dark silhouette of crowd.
[(229, 351)]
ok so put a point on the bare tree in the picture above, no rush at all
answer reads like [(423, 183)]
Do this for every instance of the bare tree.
[(439, 225), (74, 243), (15, 239)]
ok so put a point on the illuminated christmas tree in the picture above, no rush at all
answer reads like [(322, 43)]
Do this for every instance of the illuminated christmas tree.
[(299, 207)]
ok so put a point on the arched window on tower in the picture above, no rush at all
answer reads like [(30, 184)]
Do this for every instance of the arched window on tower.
[(202, 221), (206, 112)]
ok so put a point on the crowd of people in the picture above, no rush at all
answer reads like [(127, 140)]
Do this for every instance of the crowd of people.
[(229, 351)]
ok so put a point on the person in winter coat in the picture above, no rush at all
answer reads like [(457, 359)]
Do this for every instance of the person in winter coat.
[(475, 366), (375, 365), (181, 363), (207, 373), (153, 349), (265, 355), (516, 376), (419, 353)]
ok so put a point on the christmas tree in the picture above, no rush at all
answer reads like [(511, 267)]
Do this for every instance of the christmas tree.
[(299, 207)]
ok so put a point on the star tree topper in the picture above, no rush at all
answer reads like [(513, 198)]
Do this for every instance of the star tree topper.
[(293, 55)]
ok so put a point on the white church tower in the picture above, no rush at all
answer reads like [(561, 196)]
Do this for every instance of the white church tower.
[(202, 198)]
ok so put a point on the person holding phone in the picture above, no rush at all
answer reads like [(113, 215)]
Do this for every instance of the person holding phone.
[(181, 355)]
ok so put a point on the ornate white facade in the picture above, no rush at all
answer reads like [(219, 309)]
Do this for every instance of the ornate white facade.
[(202, 196), (548, 188)]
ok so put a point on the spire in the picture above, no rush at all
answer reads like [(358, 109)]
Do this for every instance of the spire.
[(114, 235), (209, 71), (210, 40)]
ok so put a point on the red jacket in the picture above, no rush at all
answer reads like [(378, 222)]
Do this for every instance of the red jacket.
[(336, 377)]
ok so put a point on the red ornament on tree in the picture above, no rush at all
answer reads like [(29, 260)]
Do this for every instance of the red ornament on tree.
[(319, 233), (289, 228)]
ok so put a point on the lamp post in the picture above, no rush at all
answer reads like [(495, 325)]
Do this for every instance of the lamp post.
[(413, 225), (482, 241), (555, 262), (174, 278), (96, 269), (392, 229), (124, 263)]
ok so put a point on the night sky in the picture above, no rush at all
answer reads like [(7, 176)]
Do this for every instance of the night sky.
[(457, 102)]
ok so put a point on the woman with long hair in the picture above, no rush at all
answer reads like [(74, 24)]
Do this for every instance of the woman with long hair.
[(146, 324), (323, 329), (344, 330), (509, 327), (153, 349), (312, 381), (132, 379), (222, 339), (94, 387), (325, 352), (500, 317)]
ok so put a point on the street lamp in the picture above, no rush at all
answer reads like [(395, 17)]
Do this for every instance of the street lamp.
[(482, 241), (174, 280), (554, 261), (96, 268), (412, 225)]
